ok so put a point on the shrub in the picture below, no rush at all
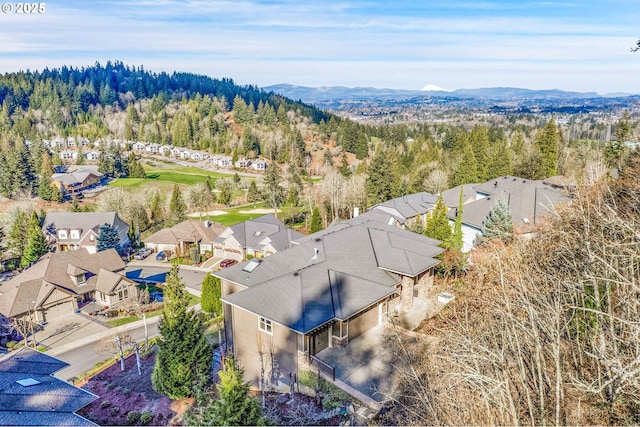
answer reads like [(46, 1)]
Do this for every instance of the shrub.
[(105, 404), (126, 391), (133, 417), (11, 344), (115, 411), (146, 417)]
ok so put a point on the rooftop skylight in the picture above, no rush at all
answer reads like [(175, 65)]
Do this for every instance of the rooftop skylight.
[(251, 265)]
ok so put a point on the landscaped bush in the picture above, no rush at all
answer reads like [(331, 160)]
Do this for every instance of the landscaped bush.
[(146, 417), (105, 404), (126, 391), (11, 344), (133, 417), (115, 411)]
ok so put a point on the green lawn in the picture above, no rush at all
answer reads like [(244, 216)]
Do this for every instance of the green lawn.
[(160, 177), (119, 321)]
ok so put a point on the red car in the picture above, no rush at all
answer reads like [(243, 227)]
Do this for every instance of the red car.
[(227, 263)]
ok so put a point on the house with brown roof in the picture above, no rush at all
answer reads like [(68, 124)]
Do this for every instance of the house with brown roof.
[(180, 237), (259, 237), (68, 231), (75, 183), (31, 396), (61, 282), (324, 291)]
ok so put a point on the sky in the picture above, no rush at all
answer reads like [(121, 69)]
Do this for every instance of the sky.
[(574, 45)]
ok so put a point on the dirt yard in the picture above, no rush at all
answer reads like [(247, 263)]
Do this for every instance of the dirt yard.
[(120, 392)]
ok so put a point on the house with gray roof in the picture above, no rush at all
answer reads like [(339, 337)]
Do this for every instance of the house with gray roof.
[(68, 231), (259, 237), (31, 396), (402, 211), (325, 290), (61, 282), (530, 202)]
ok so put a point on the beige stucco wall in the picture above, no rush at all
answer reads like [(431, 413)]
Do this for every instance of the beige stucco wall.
[(248, 339)]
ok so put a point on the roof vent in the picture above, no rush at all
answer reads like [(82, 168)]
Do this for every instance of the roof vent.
[(296, 273), (318, 239)]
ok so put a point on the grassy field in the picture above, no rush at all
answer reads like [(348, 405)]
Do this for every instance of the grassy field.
[(166, 175)]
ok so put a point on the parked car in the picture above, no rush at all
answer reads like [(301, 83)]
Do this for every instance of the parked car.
[(143, 253), (227, 263), (161, 256)]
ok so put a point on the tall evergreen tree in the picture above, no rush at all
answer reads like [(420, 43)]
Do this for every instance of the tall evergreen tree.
[(614, 150), (253, 194), (273, 191), (36, 243), (498, 224), (107, 238), (46, 190), (316, 221), (235, 406), (438, 224), (211, 294), (456, 237), (547, 144), (383, 182), (184, 356), (18, 233), (467, 171), (177, 207)]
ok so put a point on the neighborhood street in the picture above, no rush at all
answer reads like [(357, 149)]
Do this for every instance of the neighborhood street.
[(81, 354)]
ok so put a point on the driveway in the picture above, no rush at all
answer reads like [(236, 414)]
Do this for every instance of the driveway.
[(68, 329)]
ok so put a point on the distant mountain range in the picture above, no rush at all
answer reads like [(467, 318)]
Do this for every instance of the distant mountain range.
[(340, 93)]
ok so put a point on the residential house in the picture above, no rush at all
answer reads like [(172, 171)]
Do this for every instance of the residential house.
[(152, 148), (530, 203), (242, 163), (402, 211), (31, 396), (92, 155), (180, 237), (62, 282), (224, 161), (259, 165), (257, 237), (68, 231), (67, 154), (71, 143), (165, 150), (197, 156), (185, 155), (325, 290), (139, 146), (176, 152), (74, 183)]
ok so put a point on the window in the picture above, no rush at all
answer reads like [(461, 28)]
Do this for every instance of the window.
[(75, 234), (123, 294), (265, 325), (101, 296), (62, 234)]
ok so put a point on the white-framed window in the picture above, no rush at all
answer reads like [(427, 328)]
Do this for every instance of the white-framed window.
[(101, 296), (62, 234), (123, 293), (75, 234), (264, 325)]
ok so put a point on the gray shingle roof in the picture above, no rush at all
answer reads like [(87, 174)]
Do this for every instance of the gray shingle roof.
[(187, 231), (408, 206), (334, 273), (529, 201), (258, 232), (50, 402), (85, 221)]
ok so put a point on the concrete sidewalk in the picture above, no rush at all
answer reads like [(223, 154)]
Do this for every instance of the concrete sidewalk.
[(91, 338)]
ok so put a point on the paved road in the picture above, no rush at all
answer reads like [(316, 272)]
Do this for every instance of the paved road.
[(81, 355), (193, 276)]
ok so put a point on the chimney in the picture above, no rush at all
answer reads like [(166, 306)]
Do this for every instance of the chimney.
[(207, 223), (356, 211)]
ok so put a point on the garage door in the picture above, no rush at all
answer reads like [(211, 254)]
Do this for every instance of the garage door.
[(363, 322), (320, 341), (58, 310)]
